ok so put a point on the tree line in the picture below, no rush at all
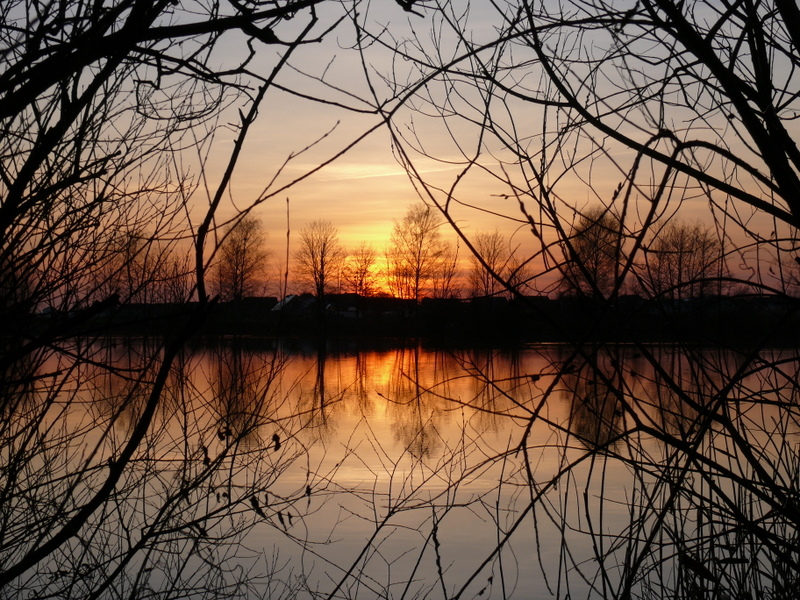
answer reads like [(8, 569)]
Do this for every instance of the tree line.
[(681, 261)]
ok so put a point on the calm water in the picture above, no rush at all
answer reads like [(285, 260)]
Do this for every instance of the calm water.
[(409, 472)]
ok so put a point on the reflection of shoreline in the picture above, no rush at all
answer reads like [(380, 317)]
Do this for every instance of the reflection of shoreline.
[(419, 400)]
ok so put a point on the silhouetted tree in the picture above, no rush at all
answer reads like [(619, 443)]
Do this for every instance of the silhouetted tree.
[(242, 261), (519, 275), (176, 282), (359, 269), (683, 261), (495, 268), (141, 269), (320, 256), (483, 275), (593, 250), (446, 277), (417, 255)]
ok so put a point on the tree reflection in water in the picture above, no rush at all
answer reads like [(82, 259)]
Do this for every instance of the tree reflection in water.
[(544, 472)]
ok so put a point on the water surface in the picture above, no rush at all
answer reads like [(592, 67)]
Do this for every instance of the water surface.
[(539, 472)]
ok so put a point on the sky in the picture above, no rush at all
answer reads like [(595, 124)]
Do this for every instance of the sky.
[(364, 192), (361, 193)]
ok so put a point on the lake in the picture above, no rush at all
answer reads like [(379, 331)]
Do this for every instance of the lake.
[(289, 469)]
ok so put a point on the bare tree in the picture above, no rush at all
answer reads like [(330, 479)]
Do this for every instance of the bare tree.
[(593, 251), (483, 276), (242, 262), (146, 270), (446, 277), (495, 268), (359, 269), (320, 256), (176, 283), (518, 275), (683, 261), (417, 254), (789, 272)]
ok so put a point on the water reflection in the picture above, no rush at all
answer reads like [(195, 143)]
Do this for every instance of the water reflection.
[(407, 472)]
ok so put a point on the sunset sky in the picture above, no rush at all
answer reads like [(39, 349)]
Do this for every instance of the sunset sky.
[(365, 191)]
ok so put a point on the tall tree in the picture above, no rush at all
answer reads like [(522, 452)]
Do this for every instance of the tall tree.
[(359, 270), (487, 264), (320, 256), (593, 254), (446, 276), (495, 268), (242, 262), (683, 261), (417, 254), (518, 275), (147, 270)]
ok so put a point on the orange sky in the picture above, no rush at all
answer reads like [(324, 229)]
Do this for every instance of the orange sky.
[(365, 191)]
